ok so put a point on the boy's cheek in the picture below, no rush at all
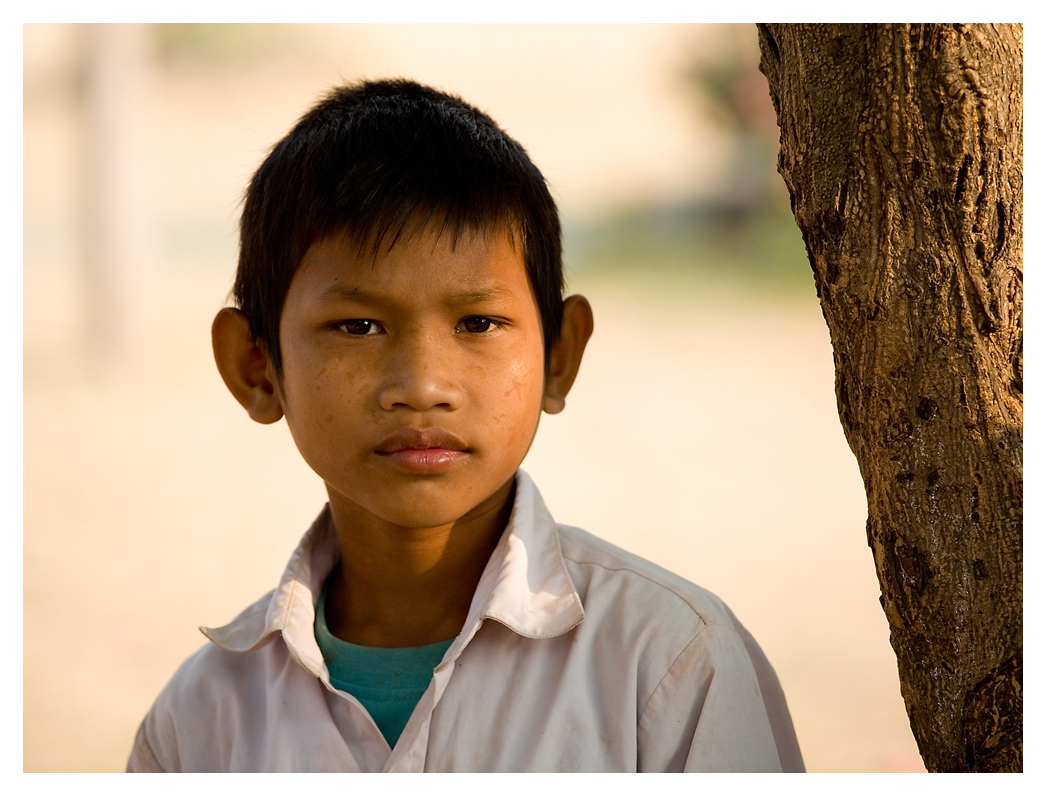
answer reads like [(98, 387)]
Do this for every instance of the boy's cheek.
[(518, 377)]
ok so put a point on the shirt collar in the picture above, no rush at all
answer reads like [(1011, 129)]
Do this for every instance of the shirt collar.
[(525, 586)]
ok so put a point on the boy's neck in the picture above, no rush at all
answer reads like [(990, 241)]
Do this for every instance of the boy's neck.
[(398, 587)]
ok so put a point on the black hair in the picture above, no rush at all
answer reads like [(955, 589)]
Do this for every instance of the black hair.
[(372, 160)]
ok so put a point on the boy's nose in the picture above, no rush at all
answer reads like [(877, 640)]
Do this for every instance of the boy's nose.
[(421, 376)]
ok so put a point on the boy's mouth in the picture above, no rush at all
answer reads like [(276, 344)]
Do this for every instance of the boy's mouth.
[(432, 450)]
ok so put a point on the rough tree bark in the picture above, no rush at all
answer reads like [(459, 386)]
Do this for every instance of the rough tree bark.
[(901, 146)]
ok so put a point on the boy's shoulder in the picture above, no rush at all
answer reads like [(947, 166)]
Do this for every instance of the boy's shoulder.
[(206, 674), (215, 713), (595, 564)]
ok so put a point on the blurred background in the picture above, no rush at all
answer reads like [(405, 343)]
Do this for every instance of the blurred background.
[(702, 432)]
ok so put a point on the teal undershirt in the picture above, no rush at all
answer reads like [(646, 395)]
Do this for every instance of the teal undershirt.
[(389, 682)]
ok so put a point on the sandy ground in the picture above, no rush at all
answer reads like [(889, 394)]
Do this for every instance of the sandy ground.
[(702, 434)]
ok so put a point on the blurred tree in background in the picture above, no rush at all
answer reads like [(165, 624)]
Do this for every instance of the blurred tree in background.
[(739, 231), (241, 44), (726, 86)]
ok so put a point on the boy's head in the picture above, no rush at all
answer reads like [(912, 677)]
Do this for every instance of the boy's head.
[(381, 160), (400, 305)]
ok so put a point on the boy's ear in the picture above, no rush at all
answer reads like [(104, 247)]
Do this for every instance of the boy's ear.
[(245, 366), (567, 352)]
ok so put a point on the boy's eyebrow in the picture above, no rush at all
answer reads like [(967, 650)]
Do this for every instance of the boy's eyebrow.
[(342, 292), (484, 294)]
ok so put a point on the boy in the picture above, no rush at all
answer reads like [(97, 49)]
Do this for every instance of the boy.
[(399, 304)]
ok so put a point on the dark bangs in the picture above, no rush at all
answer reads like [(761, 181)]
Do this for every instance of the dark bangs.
[(383, 160)]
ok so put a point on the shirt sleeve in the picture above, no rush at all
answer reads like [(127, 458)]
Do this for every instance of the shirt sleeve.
[(142, 758), (719, 708)]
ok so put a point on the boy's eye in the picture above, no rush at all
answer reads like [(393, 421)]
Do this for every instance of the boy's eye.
[(477, 324), (360, 326)]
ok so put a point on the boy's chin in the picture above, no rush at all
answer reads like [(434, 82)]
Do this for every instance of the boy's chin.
[(420, 519), (417, 512)]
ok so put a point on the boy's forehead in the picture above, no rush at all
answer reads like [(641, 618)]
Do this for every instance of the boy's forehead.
[(434, 230), (466, 263)]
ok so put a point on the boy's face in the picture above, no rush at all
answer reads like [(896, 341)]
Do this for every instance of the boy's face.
[(413, 383)]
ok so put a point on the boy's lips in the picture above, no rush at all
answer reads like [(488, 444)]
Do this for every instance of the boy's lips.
[(432, 450)]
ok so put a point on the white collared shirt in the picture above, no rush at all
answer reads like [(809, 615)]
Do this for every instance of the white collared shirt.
[(576, 657)]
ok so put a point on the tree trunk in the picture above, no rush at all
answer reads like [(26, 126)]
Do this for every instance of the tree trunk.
[(901, 146)]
